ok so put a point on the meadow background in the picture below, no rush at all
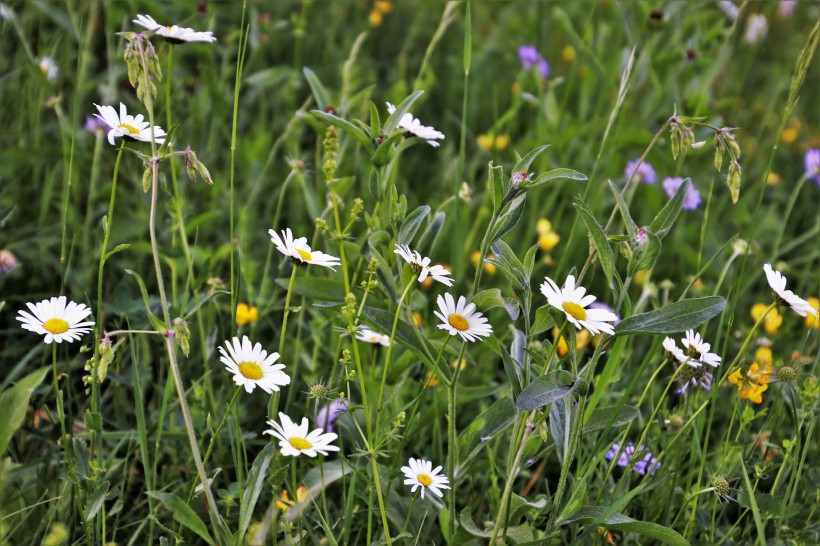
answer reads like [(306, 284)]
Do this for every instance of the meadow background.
[(617, 71)]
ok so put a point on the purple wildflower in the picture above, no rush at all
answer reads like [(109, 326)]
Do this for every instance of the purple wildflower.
[(528, 55), (602, 305), (692, 377), (812, 163), (93, 124), (692, 198), (330, 413), (543, 67), (648, 463), (645, 174), (623, 456)]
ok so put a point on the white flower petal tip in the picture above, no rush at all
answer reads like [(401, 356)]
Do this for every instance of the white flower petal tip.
[(422, 265), (58, 319), (174, 33), (252, 366), (577, 306), (777, 282), (420, 474), (413, 126), (462, 319), (369, 336), (295, 440), (299, 251)]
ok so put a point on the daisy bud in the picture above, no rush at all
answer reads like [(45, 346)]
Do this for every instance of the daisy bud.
[(786, 373)]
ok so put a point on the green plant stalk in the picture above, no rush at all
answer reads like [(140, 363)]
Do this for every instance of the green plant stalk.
[(483, 250), (390, 350), (170, 347), (452, 446), (287, 309), (505, 496)]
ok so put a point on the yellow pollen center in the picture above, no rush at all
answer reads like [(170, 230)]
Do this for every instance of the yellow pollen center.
[(306, 257), (56, 326), (424, 480), (169, 28), (458, 322), (130, 128), (574, 310), (299, 443), (251, 370)]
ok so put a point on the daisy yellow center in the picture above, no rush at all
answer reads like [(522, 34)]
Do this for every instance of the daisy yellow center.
[(458, 322), (130, 128), (251, 370), (56, 326), (299, 443), (168, 27), (306, 257), (574, 310), (424, 480)]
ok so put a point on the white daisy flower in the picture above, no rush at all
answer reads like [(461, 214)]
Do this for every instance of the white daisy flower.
[(369, 336), (462, 319), (698, 350), (295, 440), (421, 474), (413, 125), (674, 351), (174, 34), (252, 367), (57, 318), (298, 249), (422, 265), (48, 67), (572, 301), (127, 126), (786, 297)]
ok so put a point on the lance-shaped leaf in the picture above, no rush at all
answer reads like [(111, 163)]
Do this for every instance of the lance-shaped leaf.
[(345, 126), (621, 522), (676, 317), (599, 240), (391, 122), (552, 176), (545, 390), (665, 219)]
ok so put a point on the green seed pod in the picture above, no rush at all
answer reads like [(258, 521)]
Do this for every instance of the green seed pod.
[(146, 179), (675, 138), (733, 181), (718, 155)]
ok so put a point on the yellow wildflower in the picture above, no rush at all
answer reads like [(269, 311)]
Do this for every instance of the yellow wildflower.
[(501, 142), (582, 339), (246, 314), (375, 19), (489, 268), (813, 321), (485, 142), (790, 133), (569, 54), (773, 321), (547, 239), (431, 380), (772, 178), (417, 318), (753, 383), (642, 276), (463, 364), (284, 502), (384, 6), (763, 355)]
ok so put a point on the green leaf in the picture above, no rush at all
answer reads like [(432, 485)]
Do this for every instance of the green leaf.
[(345, 126), (665, 219), (316, 288), (543, 320), (405, 333), (612, 363), (393, 120), (95, 501), (624, 210), (489, 423), (253, 486), (523, 164), (545, 390), (510, 367), (183, 514), (750, 495), (385, 151), (203, 299), (611, 416), (492, 298), (5, 214), (676, 317), (599, 240), (411, 224), (551, 176), (160, 326), (621, 522), (645, 256), (317, 479), (14, 403), (375, 122), (319, 91), (506, 260), (495, 183), (509, 219), (430, 235)]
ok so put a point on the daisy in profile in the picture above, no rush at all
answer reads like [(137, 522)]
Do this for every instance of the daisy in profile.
[(422, 265), (698, 349), (57, 318), (413, 126), (295, 440), (252, 367), (127, 126), (369, 336), (576, 306), (462, 319), (421, 474), (674, 352), (784, 297), (48, 67), (299, 251), (174, 34)]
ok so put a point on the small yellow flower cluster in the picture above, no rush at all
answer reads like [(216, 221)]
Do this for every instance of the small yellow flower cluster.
[(489, 268), (246, 314), (284, 502), (773, 320), (547, 239), (380, 9), (488, 143), (754, 382)]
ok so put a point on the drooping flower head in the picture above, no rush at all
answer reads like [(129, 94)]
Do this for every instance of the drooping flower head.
[(422, 265), (421, 474), (413, 126), (330, 413), (369, 336), (299, 251), (252, 367), (295, 440), (784, 297), (645, 174), (57, 319), (575, 304), (461, 318), (691, 200), (48, 66), (127, 126), (173, 33), (811, 161), (698, 350)]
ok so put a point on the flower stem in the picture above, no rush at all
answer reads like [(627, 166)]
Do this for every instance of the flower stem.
[(452, 447), (390, 350)]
